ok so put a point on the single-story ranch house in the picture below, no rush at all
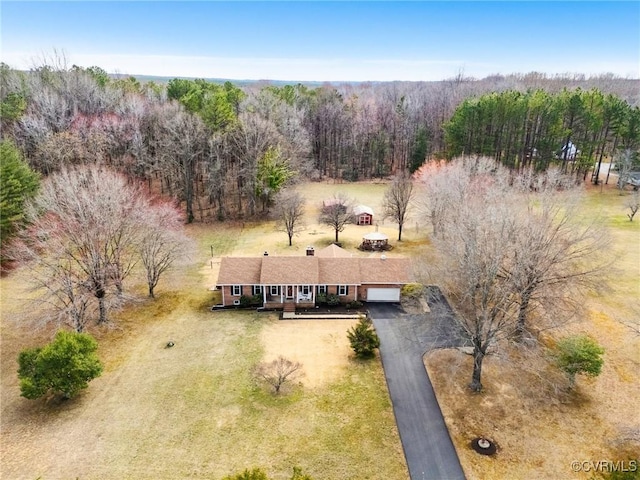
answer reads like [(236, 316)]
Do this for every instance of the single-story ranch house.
[(297, 280)]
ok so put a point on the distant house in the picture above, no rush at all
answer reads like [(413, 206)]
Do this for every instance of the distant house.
[(569, 151), (363, 215), (298, 280)]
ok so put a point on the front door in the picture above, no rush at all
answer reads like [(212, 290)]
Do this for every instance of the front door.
[(289, 291)]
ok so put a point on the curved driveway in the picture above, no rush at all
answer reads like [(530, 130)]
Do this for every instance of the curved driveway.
[(404, 339)]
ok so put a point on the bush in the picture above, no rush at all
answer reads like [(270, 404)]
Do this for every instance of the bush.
[(245, 301), (354, 304), (412, 290), (64, 367), (363, 338), (298, 474), (579, 354), (259, 474), (321, 298), (630, 472), (256, 300), (254, 474), (333, 300)]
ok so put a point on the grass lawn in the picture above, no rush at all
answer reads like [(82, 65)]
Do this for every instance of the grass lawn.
[(538, 431), (194, 410)]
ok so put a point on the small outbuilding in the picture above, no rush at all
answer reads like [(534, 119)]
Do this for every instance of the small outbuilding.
[(363, 215), (375, 241)]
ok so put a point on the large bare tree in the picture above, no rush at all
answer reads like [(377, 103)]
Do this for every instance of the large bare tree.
[(85, 227), (162, 243), (509, 244), (337, 213), (474, 250), (397, 200), (289, 213), (559, 252)]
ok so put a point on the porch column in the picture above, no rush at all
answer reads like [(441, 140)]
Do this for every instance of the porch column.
[(313, 293), (264, 295), (223, 295), (282, 287)]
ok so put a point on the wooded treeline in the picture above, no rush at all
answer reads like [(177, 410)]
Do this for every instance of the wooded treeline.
[(225, 151), (574, 128)]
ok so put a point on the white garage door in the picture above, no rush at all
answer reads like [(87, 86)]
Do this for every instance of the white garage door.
[(383, 295)]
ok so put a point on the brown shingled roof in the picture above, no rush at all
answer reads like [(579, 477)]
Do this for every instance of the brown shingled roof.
[(289, 270), (339, 271), (333, 251), (240, 271), (388, 270), (313, 270)]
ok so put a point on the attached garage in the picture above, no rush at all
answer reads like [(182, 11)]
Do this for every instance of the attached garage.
[(383, 294)]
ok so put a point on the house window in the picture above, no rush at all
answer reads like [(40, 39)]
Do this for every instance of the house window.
[(322, 289), (257, 289), (343, 290), (306, 289), (236, 290), (274, 290)]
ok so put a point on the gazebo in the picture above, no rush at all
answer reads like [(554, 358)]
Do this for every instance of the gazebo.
[(375, 241)]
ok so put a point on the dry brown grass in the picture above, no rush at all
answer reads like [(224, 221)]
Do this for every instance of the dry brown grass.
[(539, 430), (194, 410), (320, 345)]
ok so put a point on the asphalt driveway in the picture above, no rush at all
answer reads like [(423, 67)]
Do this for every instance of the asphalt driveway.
[(404, 339)]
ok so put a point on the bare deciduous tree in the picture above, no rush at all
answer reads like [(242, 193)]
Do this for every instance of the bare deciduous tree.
[(161, 244), (474, 251), (397, 200), (66, 297), (84, 226), (278, 372), (625, 166), (181, 149), (337, 213), (289, 213), (510, 244), (633, 204), (557, 254)]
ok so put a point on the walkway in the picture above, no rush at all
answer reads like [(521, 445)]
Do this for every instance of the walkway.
[(428, 449)]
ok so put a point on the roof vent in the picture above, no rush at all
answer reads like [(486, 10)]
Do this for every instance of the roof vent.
[(265, 254), (383, 257), (310, 251)]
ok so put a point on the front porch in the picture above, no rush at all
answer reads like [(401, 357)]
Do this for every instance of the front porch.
[(277, 296)]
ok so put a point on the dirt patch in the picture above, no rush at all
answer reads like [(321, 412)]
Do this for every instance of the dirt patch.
[(320, 345)]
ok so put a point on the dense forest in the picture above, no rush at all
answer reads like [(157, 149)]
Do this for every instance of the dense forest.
[(224, 151)]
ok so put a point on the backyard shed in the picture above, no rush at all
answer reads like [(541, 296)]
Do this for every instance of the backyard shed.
[(363, 215)]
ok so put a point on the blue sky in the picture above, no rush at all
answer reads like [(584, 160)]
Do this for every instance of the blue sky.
[(327, 41)]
